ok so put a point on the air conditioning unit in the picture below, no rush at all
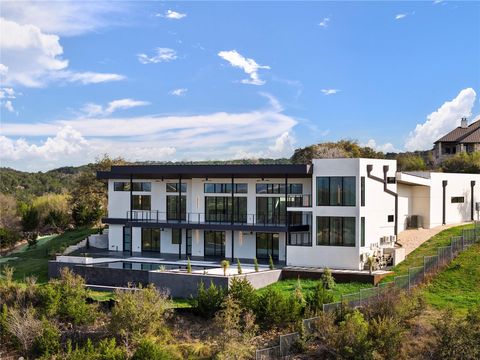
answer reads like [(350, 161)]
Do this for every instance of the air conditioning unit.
[(415, 222)]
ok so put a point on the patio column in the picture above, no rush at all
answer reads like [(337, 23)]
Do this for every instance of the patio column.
[(232, 217)]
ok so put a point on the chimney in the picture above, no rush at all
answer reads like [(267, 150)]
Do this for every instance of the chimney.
[(464, 123)]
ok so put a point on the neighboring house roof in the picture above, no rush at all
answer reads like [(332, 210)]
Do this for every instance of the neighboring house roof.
[(470, 134)]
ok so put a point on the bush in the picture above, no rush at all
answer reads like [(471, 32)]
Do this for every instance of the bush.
[(317, 298), (148, 350), (386, 334), (30, 219), (271, 266), (32, 239), (239, 267), (351, 341), (208, 301), (139, 312), (48, 342), (273, 308), (106, 349), (327, 279), (255, 264), (225, 265), (8, 238), (243, 293)]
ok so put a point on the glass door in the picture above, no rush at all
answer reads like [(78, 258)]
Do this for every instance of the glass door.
[(127, 239), (267, 245), (214, 243), (189, 243), (151, 240)]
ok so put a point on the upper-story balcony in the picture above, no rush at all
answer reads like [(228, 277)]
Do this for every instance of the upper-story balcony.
[(298, 201)]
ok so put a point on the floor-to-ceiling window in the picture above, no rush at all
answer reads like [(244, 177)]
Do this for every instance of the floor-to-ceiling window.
[(271, 210), (335, 231), (172, 207), (219, 209), (214, 242), (127, 238), (150, 239), (336, 191), (267, 245)]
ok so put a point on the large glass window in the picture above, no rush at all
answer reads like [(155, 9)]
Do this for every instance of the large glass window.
[(121, 186), (336, 191), (141, 202), (172, 207), (173, 187), (142, 186), (362, 191), (226, 188), (278, 188), (176, 236), (219, 209), (214, 243), (271, 210), (336, 231), (150, 239), (362, 231), (267, 245)]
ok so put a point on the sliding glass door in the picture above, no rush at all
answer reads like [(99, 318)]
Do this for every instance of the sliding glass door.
[(214, 244), (267, 245), (151, 240)]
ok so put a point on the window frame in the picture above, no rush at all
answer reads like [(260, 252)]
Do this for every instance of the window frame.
[(341, 231), (344, 196)]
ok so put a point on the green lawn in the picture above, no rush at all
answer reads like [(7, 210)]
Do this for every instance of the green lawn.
[(458, 285), (34, 261), (287, 286), (415, 258)]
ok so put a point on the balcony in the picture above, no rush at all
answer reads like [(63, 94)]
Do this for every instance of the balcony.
[(304, 200), (297, 221)]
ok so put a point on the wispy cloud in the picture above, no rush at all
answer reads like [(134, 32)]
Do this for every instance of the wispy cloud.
[(386, 148), (174, 15), (330, 91), (178, 92), (400, 16), (324, 23), (92, 109), (9, 106), (161, 55), (249, 66)]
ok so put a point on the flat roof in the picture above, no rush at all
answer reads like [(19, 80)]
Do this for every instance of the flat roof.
[(211, 171)]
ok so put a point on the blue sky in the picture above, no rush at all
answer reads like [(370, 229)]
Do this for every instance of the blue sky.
[(221, 80)]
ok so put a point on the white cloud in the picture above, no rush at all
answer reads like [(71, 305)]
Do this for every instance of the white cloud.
[(218, 135), (324, 23), (440, 122), (91, 109), (249, 66), (9, 106), (33, 58), (330, 91), (178, 92), (387, 147), (162, 55), (400, 16), (64, 18), (170, 14), (7, 93)]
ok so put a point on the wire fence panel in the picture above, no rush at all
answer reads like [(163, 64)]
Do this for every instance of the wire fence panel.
[(430, 263), (268, 353), (311, 325), (352, 300), (457, 245), (444, 255), (369, 295), (416, 275), (287, 342), (332, 307), (401, 282)]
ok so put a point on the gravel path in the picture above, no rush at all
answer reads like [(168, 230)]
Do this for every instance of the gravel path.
[(411, 239)]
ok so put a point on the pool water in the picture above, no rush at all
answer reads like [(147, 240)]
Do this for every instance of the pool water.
[(145, 266)]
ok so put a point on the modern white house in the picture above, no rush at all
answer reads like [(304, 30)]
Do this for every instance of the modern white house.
[(333, 212)]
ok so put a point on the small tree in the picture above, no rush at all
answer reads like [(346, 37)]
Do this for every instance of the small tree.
[(22, 324), (255, 264), (327, 279), (270, 263), (239, 267), (225, 265), (371, 264), (208, 301), (189, 266)]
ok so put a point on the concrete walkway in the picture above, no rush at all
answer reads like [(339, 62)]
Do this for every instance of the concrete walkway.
[(413, 238)]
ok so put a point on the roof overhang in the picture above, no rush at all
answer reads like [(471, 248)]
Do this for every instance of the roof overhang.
[(203, 171), (410, 179)]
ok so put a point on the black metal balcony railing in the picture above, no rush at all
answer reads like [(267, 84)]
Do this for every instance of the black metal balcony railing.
[(216, 218), (300, 239), (304, 200)]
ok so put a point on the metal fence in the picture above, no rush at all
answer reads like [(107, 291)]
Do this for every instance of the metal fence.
[(416, 275)]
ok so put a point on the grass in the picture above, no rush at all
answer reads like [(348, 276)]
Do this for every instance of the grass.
[(458, 285), (287, 286), (34, 261), (110, 295), (415, 258)]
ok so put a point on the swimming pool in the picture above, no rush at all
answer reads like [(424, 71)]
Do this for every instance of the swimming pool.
[(146, 266)]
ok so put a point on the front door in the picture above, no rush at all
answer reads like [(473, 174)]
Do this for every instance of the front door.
[(127, 239), (267, 245), (214, 243)]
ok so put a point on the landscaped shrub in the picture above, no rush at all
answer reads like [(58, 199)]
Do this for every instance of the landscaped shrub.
[(139, 313), (255, 264), (149, 350), (239, 267), (225, 265), (48, 342), (243, 293), (274, 308), (327, 279), (208, 301), (271, 266), (316, 298)]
